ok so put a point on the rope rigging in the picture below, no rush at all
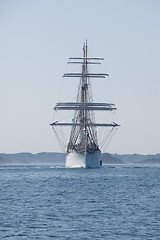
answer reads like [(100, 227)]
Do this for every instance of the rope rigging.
[(83, 127)]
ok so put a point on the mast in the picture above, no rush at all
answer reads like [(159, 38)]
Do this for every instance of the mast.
[(84, 93), (84, 97)]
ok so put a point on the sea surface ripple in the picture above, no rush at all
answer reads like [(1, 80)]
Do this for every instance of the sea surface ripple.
[(112, 202)]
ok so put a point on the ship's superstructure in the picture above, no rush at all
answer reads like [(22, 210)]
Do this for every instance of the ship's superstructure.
[(83, 148)]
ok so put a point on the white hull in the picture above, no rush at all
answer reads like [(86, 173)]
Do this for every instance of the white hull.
[(77, 160)]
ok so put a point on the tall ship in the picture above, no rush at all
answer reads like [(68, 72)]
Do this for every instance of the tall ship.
[(82, 149)]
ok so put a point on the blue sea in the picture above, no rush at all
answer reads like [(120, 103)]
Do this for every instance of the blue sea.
[(51, 202)]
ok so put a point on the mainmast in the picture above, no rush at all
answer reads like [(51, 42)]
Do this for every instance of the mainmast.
[(84, 96)]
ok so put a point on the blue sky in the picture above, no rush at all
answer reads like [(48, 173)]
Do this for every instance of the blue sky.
[(38, 37)]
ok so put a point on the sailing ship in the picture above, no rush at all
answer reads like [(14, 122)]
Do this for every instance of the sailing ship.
[(83, 148)]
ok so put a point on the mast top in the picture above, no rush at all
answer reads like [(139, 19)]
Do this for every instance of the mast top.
[(85, 50), (85, 60)]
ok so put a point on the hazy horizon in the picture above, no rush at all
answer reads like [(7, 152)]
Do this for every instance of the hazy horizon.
[(34, 153)]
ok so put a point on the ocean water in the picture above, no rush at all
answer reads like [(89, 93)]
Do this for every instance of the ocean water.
[(49, 202)]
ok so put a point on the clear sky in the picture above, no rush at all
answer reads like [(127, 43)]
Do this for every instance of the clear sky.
[(36, 39)]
